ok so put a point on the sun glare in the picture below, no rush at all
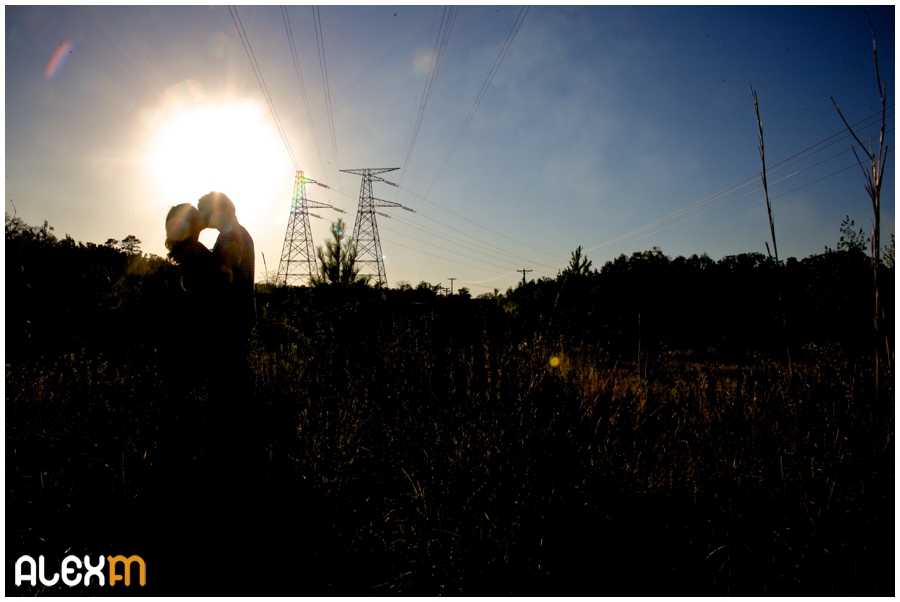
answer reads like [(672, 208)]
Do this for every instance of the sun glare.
[(228, 147)]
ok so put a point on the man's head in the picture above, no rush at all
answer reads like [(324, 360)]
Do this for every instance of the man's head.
[(216, 210)]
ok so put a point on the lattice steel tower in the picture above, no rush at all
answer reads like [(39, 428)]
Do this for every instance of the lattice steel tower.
[(298, 255), (365, 230)]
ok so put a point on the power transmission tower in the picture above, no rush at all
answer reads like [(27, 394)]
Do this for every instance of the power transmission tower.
[(451, 284), (298, 255), (523, 275), (365, 230)]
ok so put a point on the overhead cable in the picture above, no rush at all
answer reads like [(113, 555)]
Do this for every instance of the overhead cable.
[(323, 67), (259, 78), (484, 88), (437, 57), (502, 267), (696, 205), (454, 240), (296, 59), (438, 256)]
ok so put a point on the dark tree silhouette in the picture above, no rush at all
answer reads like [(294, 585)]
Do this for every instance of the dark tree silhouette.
[(337, 261), (578, 264), (131, 244)]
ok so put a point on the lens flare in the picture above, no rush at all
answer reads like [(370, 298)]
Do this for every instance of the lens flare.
[(182, 94), (218, 44), (422, 61), (58, 60)]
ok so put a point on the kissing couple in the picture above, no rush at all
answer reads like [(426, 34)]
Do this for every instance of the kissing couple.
[(221, 278), (222, 308)]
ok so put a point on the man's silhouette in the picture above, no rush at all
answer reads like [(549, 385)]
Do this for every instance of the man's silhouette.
[(234, 419), (234, 247)]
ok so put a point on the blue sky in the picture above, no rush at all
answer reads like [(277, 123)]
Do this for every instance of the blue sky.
[(599, 122)]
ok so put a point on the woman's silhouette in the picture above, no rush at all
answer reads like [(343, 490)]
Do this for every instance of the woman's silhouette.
[(203, 273), (204, 279)]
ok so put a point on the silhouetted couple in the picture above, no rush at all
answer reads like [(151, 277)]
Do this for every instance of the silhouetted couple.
[(220, 285)]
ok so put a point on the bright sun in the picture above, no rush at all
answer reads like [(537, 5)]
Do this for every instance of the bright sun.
[(231, 148)]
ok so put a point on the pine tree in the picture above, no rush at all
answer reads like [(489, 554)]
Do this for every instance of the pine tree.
[(337, 260)]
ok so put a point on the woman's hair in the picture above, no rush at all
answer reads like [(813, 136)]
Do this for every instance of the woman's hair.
[(183, 225)]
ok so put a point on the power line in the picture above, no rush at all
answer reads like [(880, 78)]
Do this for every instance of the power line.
[(490, 288), (502, 267), (801, 155), (459, 241), (705, 202), (843, 137), (245, 40), (438, 222), (814, 181), (470, 221), (700, 203), (728, 190), (717, 196), (484, 88), (323, 67), (784, 163), (296, 58), (757, 204), (732, 200), (478, 283), (440, 48), (714, 197), (438, 256), (486, 244), (443, 38), (742, 184)]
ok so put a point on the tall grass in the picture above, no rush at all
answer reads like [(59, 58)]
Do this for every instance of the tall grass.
[(430, 452)]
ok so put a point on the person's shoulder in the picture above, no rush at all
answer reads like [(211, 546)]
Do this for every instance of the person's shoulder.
[(246, 239), (223, 240)]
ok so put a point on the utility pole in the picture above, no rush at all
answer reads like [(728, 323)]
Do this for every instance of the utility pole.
[(365, 230), (298, 255), (523, 275), (451, 284)]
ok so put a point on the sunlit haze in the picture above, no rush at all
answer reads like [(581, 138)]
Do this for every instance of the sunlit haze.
[(613, 128), (217, 147)]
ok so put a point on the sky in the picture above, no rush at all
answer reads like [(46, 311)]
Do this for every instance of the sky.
[(614, 128)]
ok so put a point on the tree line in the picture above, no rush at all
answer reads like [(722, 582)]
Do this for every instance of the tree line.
[(63, 296)]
